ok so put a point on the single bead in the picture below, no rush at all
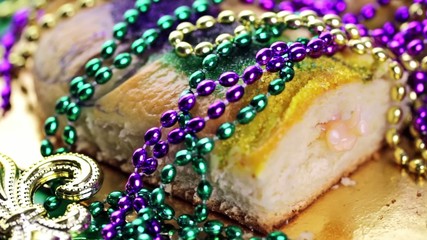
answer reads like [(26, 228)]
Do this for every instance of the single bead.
[(201, 213), (176, 136), (52, 203), (96, 208), (160, 149), (275, 64), (224, 49), (368, 11), (73, 111), (139, 157), (276, 86), (206, 87), (185, 220), (263, 56), (46, 148), (262, 35), (243, 40), (226, 17), (103, 75), (125, 203), (235, 93), (225, 131), (183, 157), (316, 47), (204, 48), (128, 230), (277, 235), (69, 135), (120, 30), (169, 118), (134, 183), (228, 79), (108, 49), (213, 227), (200, 166), (252, 74), (233, 232), (146, 214), (327, 37), (297, 54), (150, 36), (246, 115), (152, 136), (190, 141), (86, 92), (123, 60), (168, 173), (187, 102), (259, 102), (150, 166), (143, 5), (204, 190), (383, 2), (75, 84), (196, 78), (189, 233), (196, 124), (402, 14), (92, 66), (51, 125), (200, 6), (210, 62), (131, 16), (417, 80), (247, 17), (139, 203), (114, 197), (205, 145), (61, 150), (216, 109), (279, 48), (165, 22), (138, 47), (182, 13), (183, 118), (415, 47), (166, 212), (109, 232), (158, 196), (117, 218)]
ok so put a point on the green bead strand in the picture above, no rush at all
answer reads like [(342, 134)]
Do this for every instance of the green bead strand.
[(205, 145), (200, 6), (123, 60), (201, 212), (108, 49), (92, 66), (69, 135), (224, 49), (51, 125), (158, 197), (46, 148), (73, 111), (225, 131), (166, 212), (143, 5), (150, 35), (243, 40), (200, 166), (277, 235), (75, 84), (183, 13), (210, 62), (138, 47), (183, 157), (103, 75), (131, 16), (96, 208), (276, 86), (168, 173), (262, 35), (213, 228), (190, 141), (204, 190), (189, 233), (259, 102), (85, 92), (52, 203), (114, 197), (120, 30), (62, 104), (165, 22), (287, 73), (196, 78), (246, 115), (186, 220), (233, 232)]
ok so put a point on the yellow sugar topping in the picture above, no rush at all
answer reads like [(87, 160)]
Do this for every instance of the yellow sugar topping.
[(252, 144)]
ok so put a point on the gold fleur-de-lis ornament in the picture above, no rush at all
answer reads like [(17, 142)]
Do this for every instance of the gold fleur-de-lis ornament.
[(21, 218)]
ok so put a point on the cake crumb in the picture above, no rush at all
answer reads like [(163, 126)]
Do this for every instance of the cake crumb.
[(419, 194), (393, 200), (306, 236), (348, 182), (336, 186)]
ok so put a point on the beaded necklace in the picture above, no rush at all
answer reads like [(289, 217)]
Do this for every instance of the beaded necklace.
[(276, 58)]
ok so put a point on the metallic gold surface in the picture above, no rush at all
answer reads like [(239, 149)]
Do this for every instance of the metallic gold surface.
[(385, 203), (8, 7)]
